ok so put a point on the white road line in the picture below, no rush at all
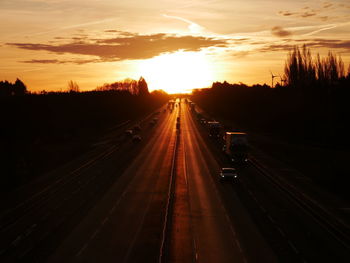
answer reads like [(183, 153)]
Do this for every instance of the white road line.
[(271, 219), (81, 250), (239, 245), (195, 248), (95, 233), (281, 231), (112, 209), (17, 241), (262, 209), (233, 231), (293, 247), (105, 221), (30, 229)]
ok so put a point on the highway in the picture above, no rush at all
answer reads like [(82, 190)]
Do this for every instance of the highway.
[(159, 200), (127, 224)]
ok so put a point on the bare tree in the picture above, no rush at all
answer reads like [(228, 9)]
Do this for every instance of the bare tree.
[(73, 86)]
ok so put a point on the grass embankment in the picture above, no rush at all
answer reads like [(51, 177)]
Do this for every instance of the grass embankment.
[(293, 123), (40, 132)]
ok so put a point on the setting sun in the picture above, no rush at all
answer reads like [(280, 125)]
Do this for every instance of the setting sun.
[(179, 72)]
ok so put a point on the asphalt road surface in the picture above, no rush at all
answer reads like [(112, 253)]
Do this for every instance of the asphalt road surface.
[(127, 223), (160, 200)]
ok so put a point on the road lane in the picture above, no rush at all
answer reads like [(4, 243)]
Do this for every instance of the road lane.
[(209, 223), (214, 237), (125, 226)]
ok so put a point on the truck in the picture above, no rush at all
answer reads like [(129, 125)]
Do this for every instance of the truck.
[(236, 146), (214, 129)]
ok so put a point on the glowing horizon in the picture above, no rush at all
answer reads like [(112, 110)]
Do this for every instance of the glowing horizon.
[(47, 43)]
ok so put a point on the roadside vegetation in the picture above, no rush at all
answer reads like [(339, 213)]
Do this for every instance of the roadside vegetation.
[(309, 106), (40, 131)]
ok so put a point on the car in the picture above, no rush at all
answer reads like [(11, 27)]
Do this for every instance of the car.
[(178, 119), (136, 138), (228, 174), (137, 128), (128, 132), (152, 122)]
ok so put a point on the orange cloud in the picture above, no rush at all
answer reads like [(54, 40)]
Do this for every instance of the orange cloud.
[(122, 47)]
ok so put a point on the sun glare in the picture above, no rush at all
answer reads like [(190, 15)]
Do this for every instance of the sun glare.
[(178, 72)]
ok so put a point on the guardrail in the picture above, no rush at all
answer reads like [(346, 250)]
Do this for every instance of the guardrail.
[(337, 229)]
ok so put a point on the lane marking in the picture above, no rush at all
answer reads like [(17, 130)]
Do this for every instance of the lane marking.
[(281, 231), (81, 250), (17, 241), (95, 233), (262, 209), (198, 136), (293, 247), (105, 220), (271, 219)]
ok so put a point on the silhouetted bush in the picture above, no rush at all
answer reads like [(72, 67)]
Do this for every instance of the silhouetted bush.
[(139, 87), (12, 89)]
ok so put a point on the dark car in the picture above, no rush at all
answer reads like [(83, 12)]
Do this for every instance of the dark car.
[(128, 132), (137, 128), (136, 138), (228, 174)]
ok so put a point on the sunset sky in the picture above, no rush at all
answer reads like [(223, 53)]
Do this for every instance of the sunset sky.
[(174, 45)]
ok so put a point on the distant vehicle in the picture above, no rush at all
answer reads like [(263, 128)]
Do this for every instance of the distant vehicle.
[(152, 122), (192, 106), (164, 111), (203, 121), (214, 129), (171, 104), (128, 132), (178, 119), (155, 119), (228, 174), (236, 146), (136, 138), (137, 128)]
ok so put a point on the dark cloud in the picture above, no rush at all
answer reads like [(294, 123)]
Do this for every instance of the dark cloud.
[(240, 54), (286, 13), (304, 12), (112, 31), (43, 61), (56, 61), (308, 14), (331, 44), (327, 5), (280, 32), (123, 47)]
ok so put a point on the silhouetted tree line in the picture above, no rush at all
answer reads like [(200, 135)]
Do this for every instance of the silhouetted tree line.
[(40, 131), (139, 87), (12, 89), (311, 105), (303, 71)]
